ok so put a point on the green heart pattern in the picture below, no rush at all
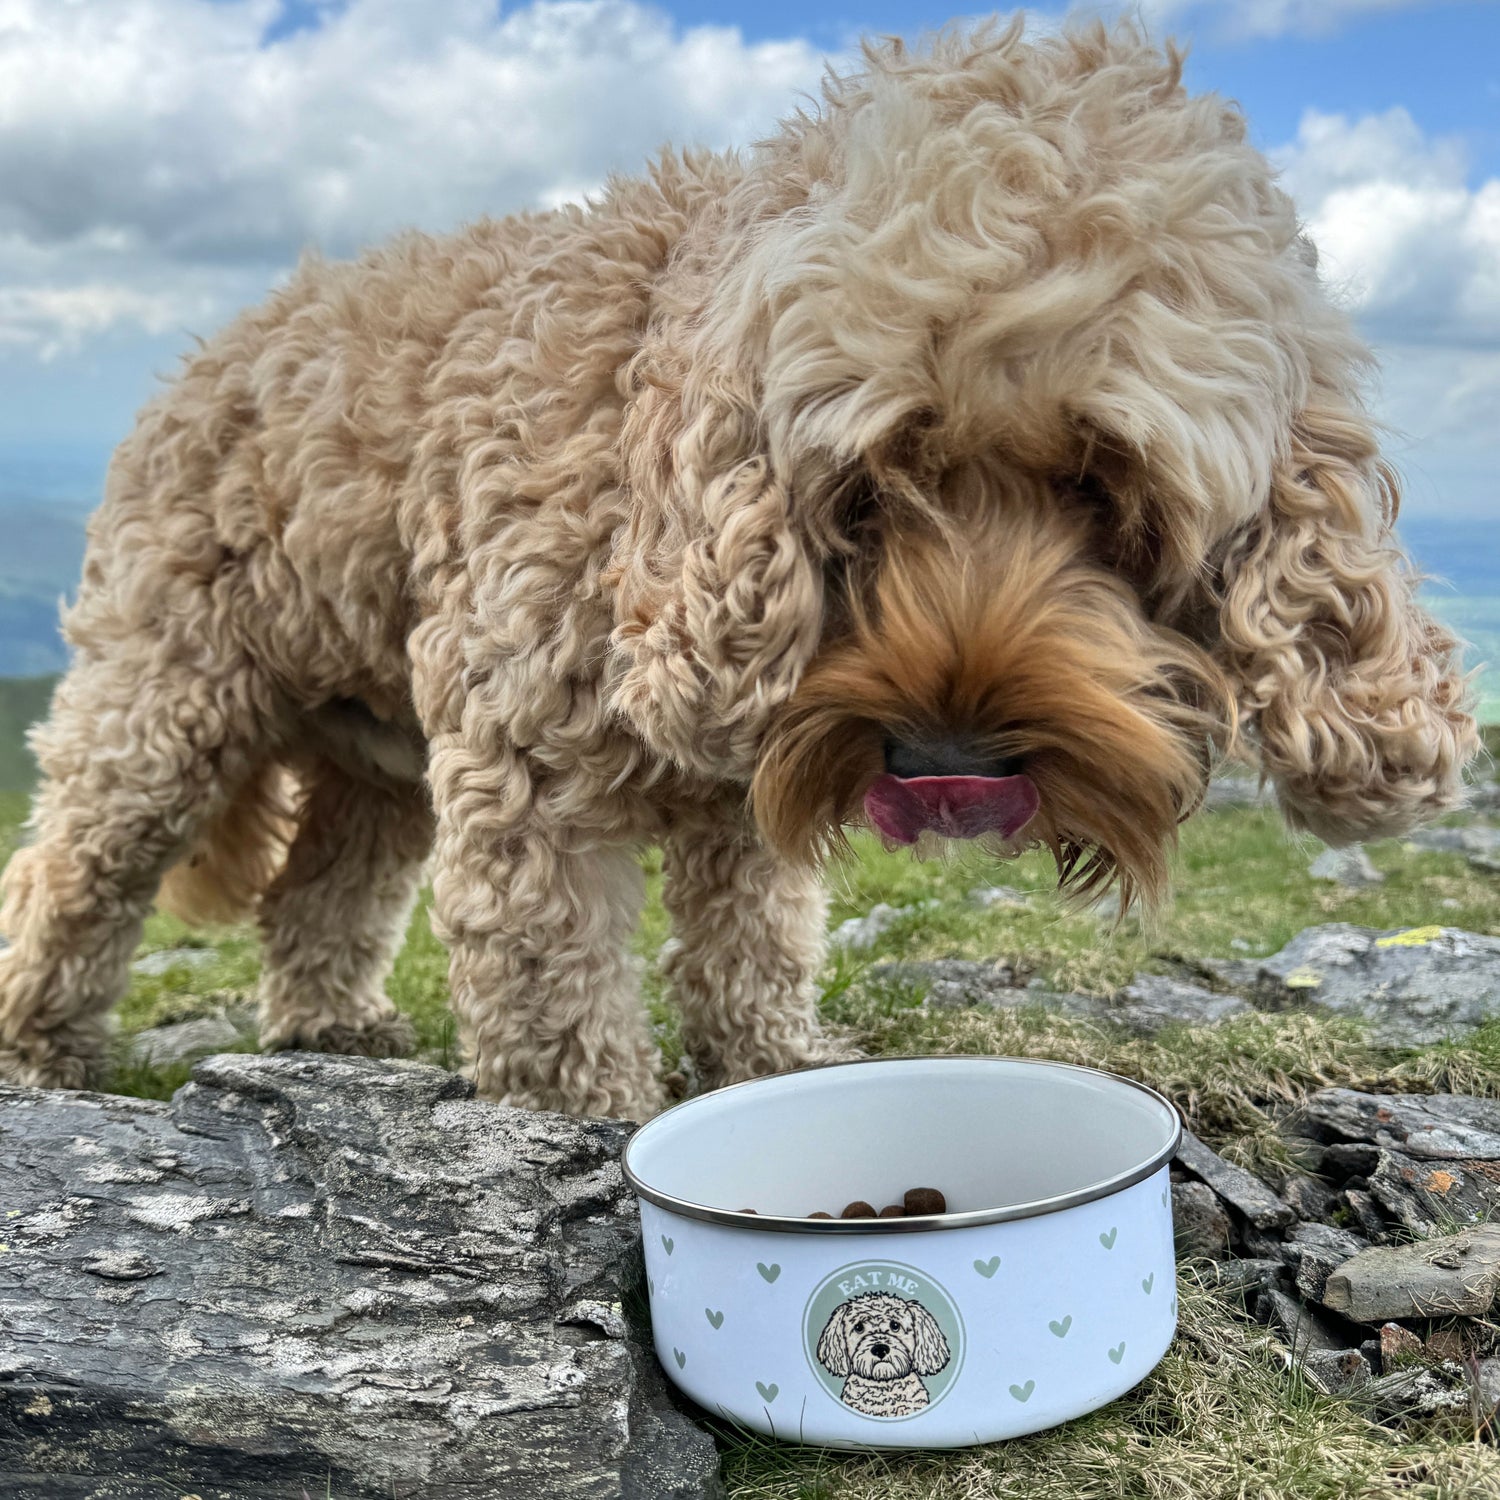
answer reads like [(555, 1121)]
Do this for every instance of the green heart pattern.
[(768, 1393), (987, 1268), (1061, 1329), (1117, 1353), (1023, 1392), (1148, 1283), (667, 1244), (767, 1273), (679, 1356), (1108, 1240), (716, 1319)]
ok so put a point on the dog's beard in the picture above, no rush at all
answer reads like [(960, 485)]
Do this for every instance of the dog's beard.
[(894, 1364), (1011, 636)]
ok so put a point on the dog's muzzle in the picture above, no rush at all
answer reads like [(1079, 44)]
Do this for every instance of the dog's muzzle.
[(944, 787)]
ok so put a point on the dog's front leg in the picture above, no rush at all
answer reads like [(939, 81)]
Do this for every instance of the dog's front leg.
[(537, 916), (749, 941)]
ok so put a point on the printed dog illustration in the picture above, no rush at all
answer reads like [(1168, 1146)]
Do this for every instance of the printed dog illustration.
[(884, 1344)]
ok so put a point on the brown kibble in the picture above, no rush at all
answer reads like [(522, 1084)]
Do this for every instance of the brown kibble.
[(893, 1211), (820, 1215), (746, 1210), (920, 1201), (859, 1209)]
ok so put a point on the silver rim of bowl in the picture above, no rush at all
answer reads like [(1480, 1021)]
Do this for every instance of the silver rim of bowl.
[(925, 1222)]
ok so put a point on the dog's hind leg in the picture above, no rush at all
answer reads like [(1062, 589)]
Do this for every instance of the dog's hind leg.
[(140, 748), (334, 918), (749, 932)]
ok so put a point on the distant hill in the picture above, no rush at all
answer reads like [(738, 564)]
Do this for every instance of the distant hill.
[(22, 702)]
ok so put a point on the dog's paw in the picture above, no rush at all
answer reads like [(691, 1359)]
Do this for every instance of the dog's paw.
[(60, 1060), (386, 1035)]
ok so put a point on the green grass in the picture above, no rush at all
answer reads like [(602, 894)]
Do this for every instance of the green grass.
[(23, 700), (1221, 1416)]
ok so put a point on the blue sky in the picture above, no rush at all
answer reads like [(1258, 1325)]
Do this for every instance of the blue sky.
[(162, 162)]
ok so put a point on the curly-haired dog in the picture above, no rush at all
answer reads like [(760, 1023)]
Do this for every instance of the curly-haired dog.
[(983, 450), (884, 1344)]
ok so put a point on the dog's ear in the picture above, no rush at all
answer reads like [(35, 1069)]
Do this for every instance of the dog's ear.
[(930, 1353), (1352, 692), (833, 1342), (718, 595)]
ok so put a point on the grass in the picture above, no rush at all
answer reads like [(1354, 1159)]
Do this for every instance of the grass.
[(1221, 1416)]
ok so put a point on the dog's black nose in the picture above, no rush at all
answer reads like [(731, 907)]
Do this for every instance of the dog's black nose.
[(880, 1350), (945, 755)]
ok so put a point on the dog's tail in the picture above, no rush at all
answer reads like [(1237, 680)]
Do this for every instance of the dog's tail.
[(237, 854)]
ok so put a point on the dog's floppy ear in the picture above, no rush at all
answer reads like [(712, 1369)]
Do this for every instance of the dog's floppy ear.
[(930, 1353), (1352, 691), (833, 1342), (718, 596)]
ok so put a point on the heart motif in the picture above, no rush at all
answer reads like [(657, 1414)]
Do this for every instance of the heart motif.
[(1117, 1354), (768, 1273), (681, 1358), (716, 1319), (1108, 1240), (1173, 1308), (667, 1244), (651, 1282), (768, 1392), (987, 1268), (1166, 1196), (1061, 1329), (1023, 1392), (1148, 1283)]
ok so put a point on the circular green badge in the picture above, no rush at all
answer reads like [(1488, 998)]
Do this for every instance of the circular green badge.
[(883, 1338)]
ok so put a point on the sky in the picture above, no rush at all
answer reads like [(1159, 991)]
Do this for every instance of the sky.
[(164, 162)]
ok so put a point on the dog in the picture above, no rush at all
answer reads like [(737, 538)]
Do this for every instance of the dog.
[(980, 456), (884, 1344)]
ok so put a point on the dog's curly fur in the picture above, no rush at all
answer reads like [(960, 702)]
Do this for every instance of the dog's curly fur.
[(998, 396)]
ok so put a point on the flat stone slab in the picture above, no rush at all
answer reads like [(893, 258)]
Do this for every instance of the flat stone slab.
[(1429, 1127), (158, 963), (1241, 1190), (1457, 1274), (318, 1275), (1153, 1001), (184, 1041), (1350, 867), (1412, 986)]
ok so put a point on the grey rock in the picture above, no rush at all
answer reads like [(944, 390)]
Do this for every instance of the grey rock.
[(324, 1275), (174, 958), (1418, 1394), (1457, 1274), (1302, 1329), (1337, 1371), (184, 1041), (859, 933), (1151, 1001), (1309, 1198), (998, 895), (1364, 1212), (1200, 1226), (1476, 840), (1242, 1191), (1314, 1252), (957, 983), (1350, 867), (1429, 1127), (1412, 987), (1248, 1278), (1419, 1196), (1233, 789)]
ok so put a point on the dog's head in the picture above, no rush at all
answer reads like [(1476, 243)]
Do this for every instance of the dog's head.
[(882, 1337), (998, 460)]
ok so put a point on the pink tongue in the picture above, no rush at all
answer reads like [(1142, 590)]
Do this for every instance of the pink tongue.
[(957, 807)]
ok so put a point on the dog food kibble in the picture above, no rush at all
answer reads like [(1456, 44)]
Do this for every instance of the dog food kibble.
[(924, 1201), (748, 1210), (859, 1209), (820, 1215), (893, 1211)]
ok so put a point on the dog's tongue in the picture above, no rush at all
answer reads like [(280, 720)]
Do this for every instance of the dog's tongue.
[(956, 807)]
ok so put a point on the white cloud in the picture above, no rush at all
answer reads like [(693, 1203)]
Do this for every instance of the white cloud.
[(1272, 18), (157, 158)]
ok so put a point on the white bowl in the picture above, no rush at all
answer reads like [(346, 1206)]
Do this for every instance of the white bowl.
[(1047, 1290)]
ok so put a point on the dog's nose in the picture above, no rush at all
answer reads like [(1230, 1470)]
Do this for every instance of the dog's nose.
[(945, 755), (880, 1350)]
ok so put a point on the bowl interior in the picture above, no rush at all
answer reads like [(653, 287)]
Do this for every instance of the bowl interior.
[(991, 1133)]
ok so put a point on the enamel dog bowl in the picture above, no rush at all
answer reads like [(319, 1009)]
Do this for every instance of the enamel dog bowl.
[(1046, 1291)]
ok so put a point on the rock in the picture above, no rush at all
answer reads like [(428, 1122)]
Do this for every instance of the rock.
[(1419, 1196), (324, 1275), (1417, 1395), (1314, 1251), (1429, 1127), (998, 895), (863, 932), (184, 1041), (1413, 987), (1457, 1274), (1365, 1213), (957, 983), (1303, 1330), (1350, 867), (1336, 1371), (1248, 1278), (1200, 1226), (1310, 1199), (1243, 1192), (1151, 1001), (1234, 789), (1477, 841), (159, 962)]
